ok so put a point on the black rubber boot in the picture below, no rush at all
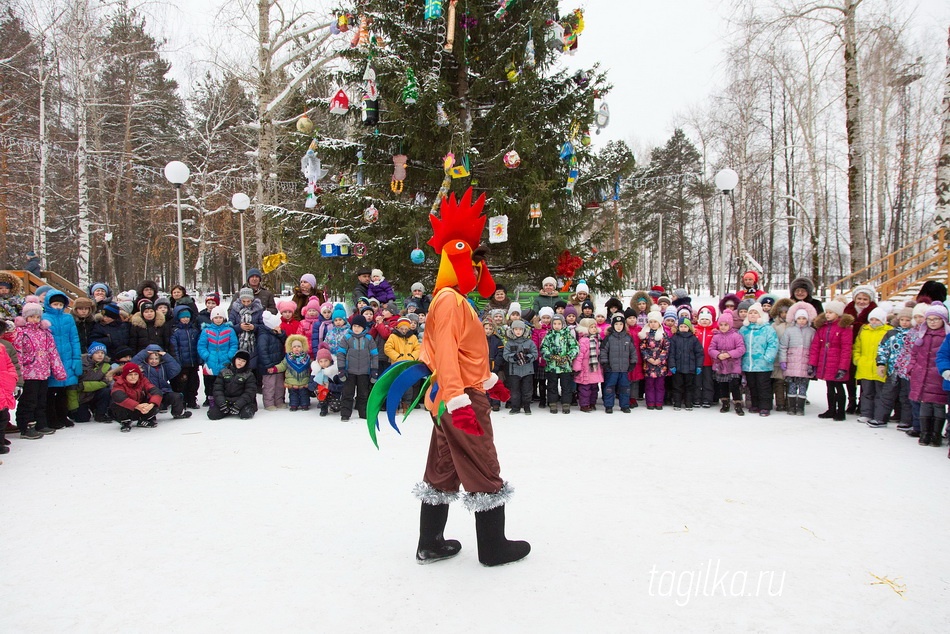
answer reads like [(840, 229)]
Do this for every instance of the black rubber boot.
[(739, 410), (432, 545), (926, 430), (936, 439), (725, 405), (494, 549)]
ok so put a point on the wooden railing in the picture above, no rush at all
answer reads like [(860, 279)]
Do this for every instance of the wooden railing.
[(903, 268), (57, 281)]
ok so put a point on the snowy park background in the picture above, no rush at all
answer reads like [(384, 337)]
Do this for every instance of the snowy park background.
[(292, 522)]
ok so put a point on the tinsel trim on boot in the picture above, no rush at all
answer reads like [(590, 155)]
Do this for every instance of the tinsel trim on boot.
[(428, 494), (476, 502)]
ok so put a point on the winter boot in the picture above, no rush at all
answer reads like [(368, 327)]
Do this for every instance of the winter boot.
[(739, 411), (840, 411), (725, 406), (791, 403), (432, 545), (936, 440), (125, 425), (926, 431), (494, 549), (801, 405), (782, 401), (31, 433)]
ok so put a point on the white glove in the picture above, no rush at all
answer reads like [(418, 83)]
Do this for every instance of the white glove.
[(946, 375)]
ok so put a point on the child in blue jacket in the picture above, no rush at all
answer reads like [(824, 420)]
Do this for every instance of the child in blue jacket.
[(184, 347), (217, 345)]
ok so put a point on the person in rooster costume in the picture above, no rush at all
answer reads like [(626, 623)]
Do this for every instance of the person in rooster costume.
[(462, 448)]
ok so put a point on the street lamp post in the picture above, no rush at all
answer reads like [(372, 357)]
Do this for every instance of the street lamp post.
[(726, 181), (241, 202), (177, 174)]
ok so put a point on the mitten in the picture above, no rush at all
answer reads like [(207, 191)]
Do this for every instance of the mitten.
[(840, 374), (699, 370), (464, 418), (341, 375), (373, 376), (499, 392), (783, 365), (272, 370), (945, 375), (672, 370), (811, 371), (77, 368)]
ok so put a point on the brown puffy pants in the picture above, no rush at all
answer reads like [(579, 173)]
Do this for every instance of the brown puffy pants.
[(457, 458)]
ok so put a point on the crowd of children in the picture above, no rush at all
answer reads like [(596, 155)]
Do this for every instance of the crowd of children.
[(130, 357)]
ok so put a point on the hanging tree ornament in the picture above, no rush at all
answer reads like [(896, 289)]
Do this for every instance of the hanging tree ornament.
[(512, 72), (450, 36), (461, 171), (359, 168), (448, 161), (433, 9), (304, 124), (554, 36), (313, 171), (603, 117), (441, 119), (529, 60), (370, 214), (573, 26), (410, 94), (498, 229), (585, 138), (535, 215), (399, 173), (370, 98), (343, 22), (418, 256), (512, 160), (503, 6), (359, 249), (339, 104)]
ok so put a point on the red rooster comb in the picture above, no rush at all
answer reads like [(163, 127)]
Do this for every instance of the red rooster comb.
[(460, 220)]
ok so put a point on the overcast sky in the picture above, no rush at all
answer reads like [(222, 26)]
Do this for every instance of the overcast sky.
[(662, 57)]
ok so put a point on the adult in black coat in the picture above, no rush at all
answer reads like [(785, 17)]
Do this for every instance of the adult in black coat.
[(362, 284), (802, 289)]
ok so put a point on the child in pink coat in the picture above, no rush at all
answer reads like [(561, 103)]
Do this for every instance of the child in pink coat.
[(589, 374), (39, 360)]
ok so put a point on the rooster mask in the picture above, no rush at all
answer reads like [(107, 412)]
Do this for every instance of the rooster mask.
[(459, 226)]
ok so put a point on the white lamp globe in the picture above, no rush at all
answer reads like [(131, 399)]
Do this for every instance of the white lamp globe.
[(726, 180), (240, 201), (177, 173)]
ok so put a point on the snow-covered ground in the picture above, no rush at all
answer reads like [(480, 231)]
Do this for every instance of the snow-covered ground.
[(652, 521)]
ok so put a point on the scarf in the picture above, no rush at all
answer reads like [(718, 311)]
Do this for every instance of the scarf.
[(246, 339)]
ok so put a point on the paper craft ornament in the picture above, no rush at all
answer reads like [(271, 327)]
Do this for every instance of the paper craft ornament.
[(503, 6), (343, 23), (535, 215), (359, 249), (370, 214), (572, 175), (512, 72), (399, 173), (512, 160), (410, 94), (498, 229), (450, 35), (417, 256), (603, 117), (339, 104), (370, 106), (441, 119), (304, 124), (554, 36), (573, 26), (529, 61), (313, 171), (335, 245), (433, 9), (585, 138), (359, 167), (448, 161)]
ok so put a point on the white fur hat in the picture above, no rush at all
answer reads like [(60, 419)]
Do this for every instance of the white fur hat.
[(582, 287), (655, 315), (546, 310), (867, 289), (219, 311), (514, 307), (835, 307), (548, 280), (376, 273), (271, 320)]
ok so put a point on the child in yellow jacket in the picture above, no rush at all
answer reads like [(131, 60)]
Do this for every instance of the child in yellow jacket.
[(403, 345), (864, 356)]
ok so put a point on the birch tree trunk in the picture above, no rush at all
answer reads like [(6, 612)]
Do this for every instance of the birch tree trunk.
[(82, 137), (852, 96), (44, 158), (943, 160)]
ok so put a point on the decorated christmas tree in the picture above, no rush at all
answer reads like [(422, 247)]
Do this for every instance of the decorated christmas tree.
[(446, 95)]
